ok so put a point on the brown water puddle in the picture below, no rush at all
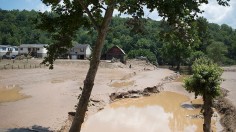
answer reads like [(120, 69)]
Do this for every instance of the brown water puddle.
[(162, 112), (11, 94)]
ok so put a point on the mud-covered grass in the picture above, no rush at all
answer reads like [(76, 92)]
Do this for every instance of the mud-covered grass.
[(181, 78)]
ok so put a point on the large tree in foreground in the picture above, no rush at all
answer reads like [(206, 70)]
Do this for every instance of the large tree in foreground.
[(73, 14), (205, 82)]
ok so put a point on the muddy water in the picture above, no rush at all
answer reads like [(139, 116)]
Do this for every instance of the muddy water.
[(162, 112), (11, 94)]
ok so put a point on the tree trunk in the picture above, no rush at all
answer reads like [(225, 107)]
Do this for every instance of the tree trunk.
[(177, 62), (207, 113), (89, 80), (178, 66)]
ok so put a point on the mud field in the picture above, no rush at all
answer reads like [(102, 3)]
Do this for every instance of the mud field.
[(39, 99)]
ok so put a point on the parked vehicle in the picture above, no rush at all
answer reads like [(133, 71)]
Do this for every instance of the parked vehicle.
[(9, 56)]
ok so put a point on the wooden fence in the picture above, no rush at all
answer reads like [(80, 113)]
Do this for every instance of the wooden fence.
[(21, 66)]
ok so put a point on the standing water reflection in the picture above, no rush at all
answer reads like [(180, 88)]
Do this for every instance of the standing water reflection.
[(162, 112)]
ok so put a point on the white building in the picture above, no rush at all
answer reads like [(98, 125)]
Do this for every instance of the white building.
[(8, 51), (80, 51), (34, 50), (14, 50)]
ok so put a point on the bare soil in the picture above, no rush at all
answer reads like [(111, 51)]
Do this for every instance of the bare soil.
[(20, 64), (53, 93)]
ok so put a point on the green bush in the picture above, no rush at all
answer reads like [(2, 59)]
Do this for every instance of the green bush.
[(206, 78), (145, 53)]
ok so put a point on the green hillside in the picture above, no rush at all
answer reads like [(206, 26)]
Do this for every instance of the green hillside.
[(216, 41)]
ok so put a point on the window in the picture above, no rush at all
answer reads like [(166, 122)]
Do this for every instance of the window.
[(16, 49), (21, 48), (4, 48), (81, 50), (37, 48)]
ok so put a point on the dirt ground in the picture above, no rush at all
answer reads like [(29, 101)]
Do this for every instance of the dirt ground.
[(228, 113), (226, 103), (51, 94)]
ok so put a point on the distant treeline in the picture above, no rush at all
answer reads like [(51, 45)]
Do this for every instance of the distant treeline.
[(215, 41)]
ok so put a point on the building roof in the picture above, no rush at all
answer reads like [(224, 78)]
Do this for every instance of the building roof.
[(14, 46), (116, 46), (84, 46), (6, 46), (9, 46), (33, 45)]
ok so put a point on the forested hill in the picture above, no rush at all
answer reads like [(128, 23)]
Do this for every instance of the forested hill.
[(218, 42), (18, 27)]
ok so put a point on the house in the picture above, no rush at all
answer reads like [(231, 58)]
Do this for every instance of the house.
[(80, 51), (8, 51), (34, 50), (116, 52), (4, 49)]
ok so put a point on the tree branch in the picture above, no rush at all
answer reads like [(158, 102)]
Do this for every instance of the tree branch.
[(103, 8), (108, 14), (89, 14), (99, 6)]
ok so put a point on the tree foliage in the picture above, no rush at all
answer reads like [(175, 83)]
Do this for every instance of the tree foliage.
[(194, 56), (143, 53), (205, 82), (21, 29), (206, 78), (17, 27), (217, 51)]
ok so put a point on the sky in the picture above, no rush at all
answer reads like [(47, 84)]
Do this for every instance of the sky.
[(213, 12)]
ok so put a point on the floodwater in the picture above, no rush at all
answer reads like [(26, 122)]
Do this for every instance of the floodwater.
[(167, 112), (11, 94)]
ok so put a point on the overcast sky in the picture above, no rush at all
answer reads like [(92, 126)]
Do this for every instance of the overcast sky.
[(213, 12)]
